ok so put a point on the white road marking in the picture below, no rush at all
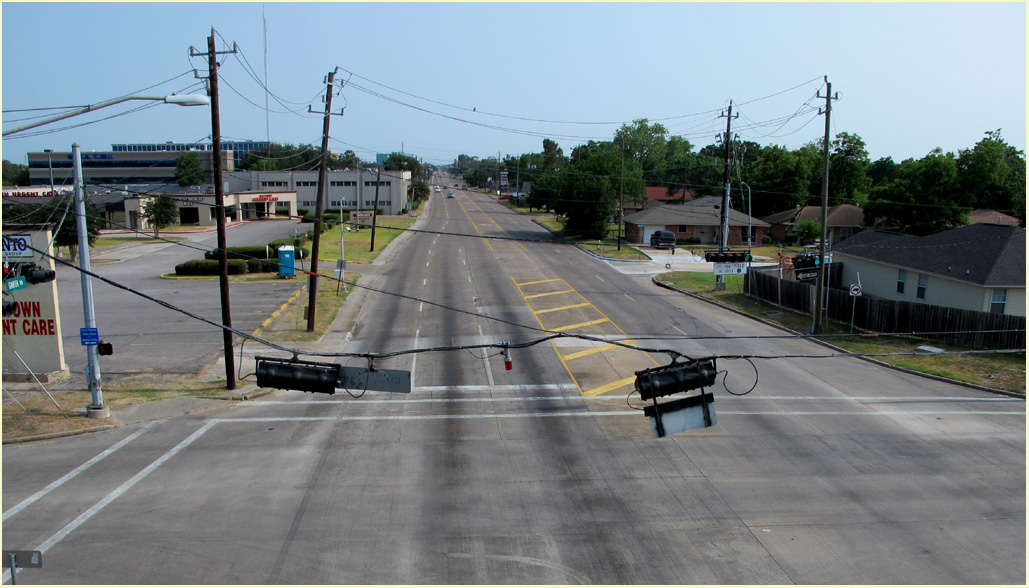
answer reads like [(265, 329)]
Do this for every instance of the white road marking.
[(600, 278), (414, 356), (680, 330), (485, 359), (54, 485), (629, 297)]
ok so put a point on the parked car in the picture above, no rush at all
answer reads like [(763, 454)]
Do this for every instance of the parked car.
[(662, 239)]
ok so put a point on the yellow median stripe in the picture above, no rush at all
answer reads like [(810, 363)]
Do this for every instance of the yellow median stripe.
[(537, 282), (586, 352), (585, 324), (608, 387), (563, 307), (546, 294)]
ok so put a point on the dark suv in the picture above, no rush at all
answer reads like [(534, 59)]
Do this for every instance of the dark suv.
[(662, 239)]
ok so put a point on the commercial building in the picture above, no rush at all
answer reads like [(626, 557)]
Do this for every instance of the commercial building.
[(347, 190), (199, 209), (112, 169), (239, 149)]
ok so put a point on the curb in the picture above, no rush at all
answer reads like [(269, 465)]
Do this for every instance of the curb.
[(57, 435), (668, 286)]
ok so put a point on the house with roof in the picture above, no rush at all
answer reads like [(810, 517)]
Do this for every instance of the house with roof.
[(993, 217), (698, 219), (977, 267), (842, 221)]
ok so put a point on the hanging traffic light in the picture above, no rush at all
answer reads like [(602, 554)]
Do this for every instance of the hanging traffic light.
[(10, 308), (678, 377), (806, 261), (34, 274), (305, 376), (727, 256)]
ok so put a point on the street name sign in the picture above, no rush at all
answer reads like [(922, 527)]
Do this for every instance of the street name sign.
[(15, 283), (725, 269)]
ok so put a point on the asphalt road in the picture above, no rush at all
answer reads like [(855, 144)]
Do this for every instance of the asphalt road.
[(831, 471), (148, 337)]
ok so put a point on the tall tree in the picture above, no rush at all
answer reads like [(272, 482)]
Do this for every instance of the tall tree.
[(994, 173), (924, 198), (15, 174), (645, 143), (59, 211), (350, 160), (188, 169), (161, 212), (848, 170), (553, 156)]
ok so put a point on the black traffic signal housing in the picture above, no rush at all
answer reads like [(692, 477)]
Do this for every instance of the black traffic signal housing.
[(34, 274), (806, 261), (105, 348), (727, 256), (305, 376), (678, 377), (10, 308)]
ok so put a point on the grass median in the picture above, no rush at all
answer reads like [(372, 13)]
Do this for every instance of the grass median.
[(1001, 371)]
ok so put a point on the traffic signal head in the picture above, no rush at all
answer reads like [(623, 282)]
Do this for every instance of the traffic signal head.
[(9, 308), (105, 348), (305, 376), (806, 261), (34, 274), (674, 378)]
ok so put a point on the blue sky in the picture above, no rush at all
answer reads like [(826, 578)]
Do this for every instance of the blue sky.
[(911, 77)]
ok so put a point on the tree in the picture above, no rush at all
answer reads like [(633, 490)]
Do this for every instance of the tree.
[(59, 210), (994, 173), (809, 230), (350, 160), (161, 212), (188, 169), (590, 188), (15, 174), (553, 156), (646, 143), (848, 170), (418, 191), (923, 199)]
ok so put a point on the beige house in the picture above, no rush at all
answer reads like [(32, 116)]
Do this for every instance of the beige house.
[(699, 219), (199, 209)]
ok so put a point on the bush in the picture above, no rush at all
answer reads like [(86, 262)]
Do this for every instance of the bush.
[(262, 266), (209, 267), (327, 218), (302, 212), (249, 252), (282, 212), (766, 240)]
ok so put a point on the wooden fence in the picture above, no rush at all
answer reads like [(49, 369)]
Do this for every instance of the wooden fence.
[(879, 315)]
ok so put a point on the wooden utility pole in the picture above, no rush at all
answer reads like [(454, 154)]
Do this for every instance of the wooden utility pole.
[(219, 206), (723, 238), (820, 285), (323, 177), (621, 196), (375, 209)]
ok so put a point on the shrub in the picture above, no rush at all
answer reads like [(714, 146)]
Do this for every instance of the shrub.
[(302, 212), (261, 266), (209, 267), (282, 212), (688, 241), (247, 252)]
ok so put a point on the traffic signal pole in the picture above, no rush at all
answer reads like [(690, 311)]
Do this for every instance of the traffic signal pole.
[(96, 408)]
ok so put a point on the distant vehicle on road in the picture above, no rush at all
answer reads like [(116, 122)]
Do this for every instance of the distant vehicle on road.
[(438, 190), (662, 239), (450, 194), (505, 196)]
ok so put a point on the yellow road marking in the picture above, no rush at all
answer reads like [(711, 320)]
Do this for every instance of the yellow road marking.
[(585, 324), (586, 352), (564, 307), (536, 282), (545, 294), (609, 387)]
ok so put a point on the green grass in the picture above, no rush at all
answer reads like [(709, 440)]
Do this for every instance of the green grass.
[(356, 244), (607, 248), (1002, 371)]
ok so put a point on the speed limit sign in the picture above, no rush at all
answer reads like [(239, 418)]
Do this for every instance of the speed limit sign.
[(855, 289)]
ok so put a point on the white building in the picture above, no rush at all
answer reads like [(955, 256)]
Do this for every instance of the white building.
[(347, 190)]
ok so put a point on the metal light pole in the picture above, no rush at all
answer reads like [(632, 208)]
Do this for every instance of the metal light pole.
[(181, 100), (96, 409)]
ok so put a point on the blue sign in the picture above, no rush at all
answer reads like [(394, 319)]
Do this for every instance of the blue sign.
[(89, 336)]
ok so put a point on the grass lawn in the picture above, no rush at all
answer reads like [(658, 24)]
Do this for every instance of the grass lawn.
[(607, 248), (356, 244), (1003, 371)]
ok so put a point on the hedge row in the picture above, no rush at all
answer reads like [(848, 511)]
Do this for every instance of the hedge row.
[(248, 252), (209, 267)]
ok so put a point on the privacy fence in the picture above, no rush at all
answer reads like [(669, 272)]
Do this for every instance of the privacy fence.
[(954, 325)]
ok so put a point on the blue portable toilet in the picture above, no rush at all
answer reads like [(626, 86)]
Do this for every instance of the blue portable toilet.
[(287, 257)]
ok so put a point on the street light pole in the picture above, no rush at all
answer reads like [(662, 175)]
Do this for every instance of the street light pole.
[(181, 100)]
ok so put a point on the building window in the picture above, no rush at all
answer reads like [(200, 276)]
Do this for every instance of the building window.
[(999, 300), (902, 276), (334, 203), (923, 281)]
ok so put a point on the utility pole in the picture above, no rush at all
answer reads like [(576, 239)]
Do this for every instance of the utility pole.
[(375, 210), (219, 206), (816, 325), (621, 195), (723, 238), (323, 179), (96, 409)]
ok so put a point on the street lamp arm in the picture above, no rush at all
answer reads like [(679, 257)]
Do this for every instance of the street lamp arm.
[(181, 100)]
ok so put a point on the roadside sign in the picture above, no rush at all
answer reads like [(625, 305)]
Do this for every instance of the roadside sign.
[(855, 289), (807, 275), (15, 283), (89, 336), (725, 269), (17, 246), (357, 379), (361, 216)]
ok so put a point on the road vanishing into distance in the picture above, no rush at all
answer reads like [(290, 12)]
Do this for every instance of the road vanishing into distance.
[(830, 471)]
